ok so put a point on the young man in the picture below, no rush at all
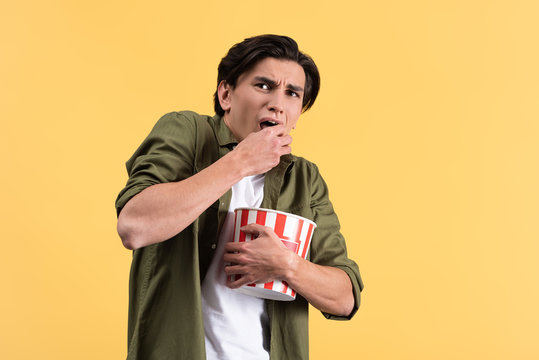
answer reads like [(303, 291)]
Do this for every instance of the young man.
[(186, 179)]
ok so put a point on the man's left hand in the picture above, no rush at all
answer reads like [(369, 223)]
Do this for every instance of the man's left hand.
[(266, 258), (263, 259)]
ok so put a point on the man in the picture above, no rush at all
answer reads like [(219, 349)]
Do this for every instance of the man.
[(185, 180)]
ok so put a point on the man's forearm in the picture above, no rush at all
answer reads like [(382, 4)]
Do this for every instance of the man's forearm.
[(327, 288), (163, 210)]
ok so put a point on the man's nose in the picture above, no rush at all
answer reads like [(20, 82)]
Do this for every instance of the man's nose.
[(276, 103)]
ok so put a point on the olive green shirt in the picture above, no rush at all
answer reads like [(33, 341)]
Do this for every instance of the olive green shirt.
[(165, 311)]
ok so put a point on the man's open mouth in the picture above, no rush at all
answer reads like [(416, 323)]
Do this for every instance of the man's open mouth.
[(267, 123)]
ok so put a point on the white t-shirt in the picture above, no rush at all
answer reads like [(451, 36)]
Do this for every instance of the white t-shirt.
[(236, 326)]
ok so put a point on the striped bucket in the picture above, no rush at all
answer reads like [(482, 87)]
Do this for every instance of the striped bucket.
[(294, 231)]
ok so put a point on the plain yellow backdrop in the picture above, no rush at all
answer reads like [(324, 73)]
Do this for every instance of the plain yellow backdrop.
[(426, 130)]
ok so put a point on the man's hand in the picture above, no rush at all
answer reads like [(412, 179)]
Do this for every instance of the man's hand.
[(266, 258), (263, 259), (262, 150)]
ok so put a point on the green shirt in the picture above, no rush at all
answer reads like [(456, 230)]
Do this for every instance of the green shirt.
[(165, 311)]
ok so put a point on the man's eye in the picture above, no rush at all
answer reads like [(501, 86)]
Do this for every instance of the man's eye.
[(263, 86), (293, 93)]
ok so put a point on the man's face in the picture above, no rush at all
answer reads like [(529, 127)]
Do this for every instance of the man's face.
[(270, 93)]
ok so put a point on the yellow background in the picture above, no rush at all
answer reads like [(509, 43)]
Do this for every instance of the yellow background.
[(426, 129)]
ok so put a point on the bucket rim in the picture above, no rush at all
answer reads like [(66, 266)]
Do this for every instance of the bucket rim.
[(278, 212)]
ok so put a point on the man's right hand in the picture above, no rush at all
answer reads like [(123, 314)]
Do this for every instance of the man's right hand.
[(261, 151)]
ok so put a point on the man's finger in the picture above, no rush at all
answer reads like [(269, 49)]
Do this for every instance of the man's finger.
[(232, 258), (253, 229), (237, 283), (234, 270), (233, 247), (286, 140), (277, 130), (285, 150)]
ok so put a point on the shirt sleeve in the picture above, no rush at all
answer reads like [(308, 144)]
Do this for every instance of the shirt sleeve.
[(166, 155), (328, 247)]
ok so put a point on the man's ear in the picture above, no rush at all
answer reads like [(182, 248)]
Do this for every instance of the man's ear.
[(224, 92)]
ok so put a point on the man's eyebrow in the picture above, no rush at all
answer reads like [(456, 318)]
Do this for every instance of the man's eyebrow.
[(273, 83), (265, 80), (295, 88)]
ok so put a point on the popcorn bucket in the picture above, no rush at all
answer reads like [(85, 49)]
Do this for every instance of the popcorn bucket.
[(294, 231)]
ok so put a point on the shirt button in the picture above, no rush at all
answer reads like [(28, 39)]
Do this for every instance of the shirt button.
[(213, 246), (222, 204)]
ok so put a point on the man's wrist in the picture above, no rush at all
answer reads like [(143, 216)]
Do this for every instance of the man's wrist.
[(291, 268), (233, 165)]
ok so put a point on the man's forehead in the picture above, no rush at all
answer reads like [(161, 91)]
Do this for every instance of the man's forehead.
[(277, 70)]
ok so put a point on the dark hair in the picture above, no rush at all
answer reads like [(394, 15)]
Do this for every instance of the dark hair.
[(244, 55)]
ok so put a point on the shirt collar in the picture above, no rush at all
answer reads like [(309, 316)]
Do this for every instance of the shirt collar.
[(222, 132)]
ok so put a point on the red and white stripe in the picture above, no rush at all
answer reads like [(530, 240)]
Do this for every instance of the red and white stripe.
[(294, 231)]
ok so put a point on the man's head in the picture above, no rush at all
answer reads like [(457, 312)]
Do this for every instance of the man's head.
[(243, 56)]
